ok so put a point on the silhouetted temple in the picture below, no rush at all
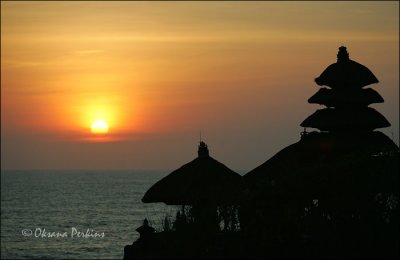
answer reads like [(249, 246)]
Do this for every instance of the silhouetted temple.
[(333, 194), (204, 183), (145, 230), (346, 99), (209, 193), (322, 191)]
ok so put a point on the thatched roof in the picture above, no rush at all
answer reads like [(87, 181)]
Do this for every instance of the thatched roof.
[(346, 73), (320, 163), (364, 119), (201, 181), (339, 97)]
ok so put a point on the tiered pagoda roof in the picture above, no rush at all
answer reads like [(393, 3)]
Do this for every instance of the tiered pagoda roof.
[(346, 98)]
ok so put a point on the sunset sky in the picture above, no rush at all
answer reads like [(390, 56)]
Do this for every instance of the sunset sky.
[(159, 73)]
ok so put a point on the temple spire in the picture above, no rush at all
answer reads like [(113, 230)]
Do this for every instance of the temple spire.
[(342, 55), (203, 150)]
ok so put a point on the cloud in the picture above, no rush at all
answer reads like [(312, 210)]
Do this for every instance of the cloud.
[(362, 11), (88, 52), (20, 63)]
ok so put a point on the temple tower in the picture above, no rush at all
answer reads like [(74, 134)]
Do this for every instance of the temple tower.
[(346, 99)]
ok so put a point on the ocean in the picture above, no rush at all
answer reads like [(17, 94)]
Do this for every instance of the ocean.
[(75, 214)]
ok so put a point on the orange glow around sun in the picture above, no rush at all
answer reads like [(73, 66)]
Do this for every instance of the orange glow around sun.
[(100, 119), (100, 116), (99, 126)]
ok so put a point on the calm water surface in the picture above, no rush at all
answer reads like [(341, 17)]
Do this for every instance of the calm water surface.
[(69, 202)]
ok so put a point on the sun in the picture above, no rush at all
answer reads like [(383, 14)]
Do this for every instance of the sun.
[(99, 126)]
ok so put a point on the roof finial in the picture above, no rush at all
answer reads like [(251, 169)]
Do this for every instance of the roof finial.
[(203, 150), (342, 55)]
